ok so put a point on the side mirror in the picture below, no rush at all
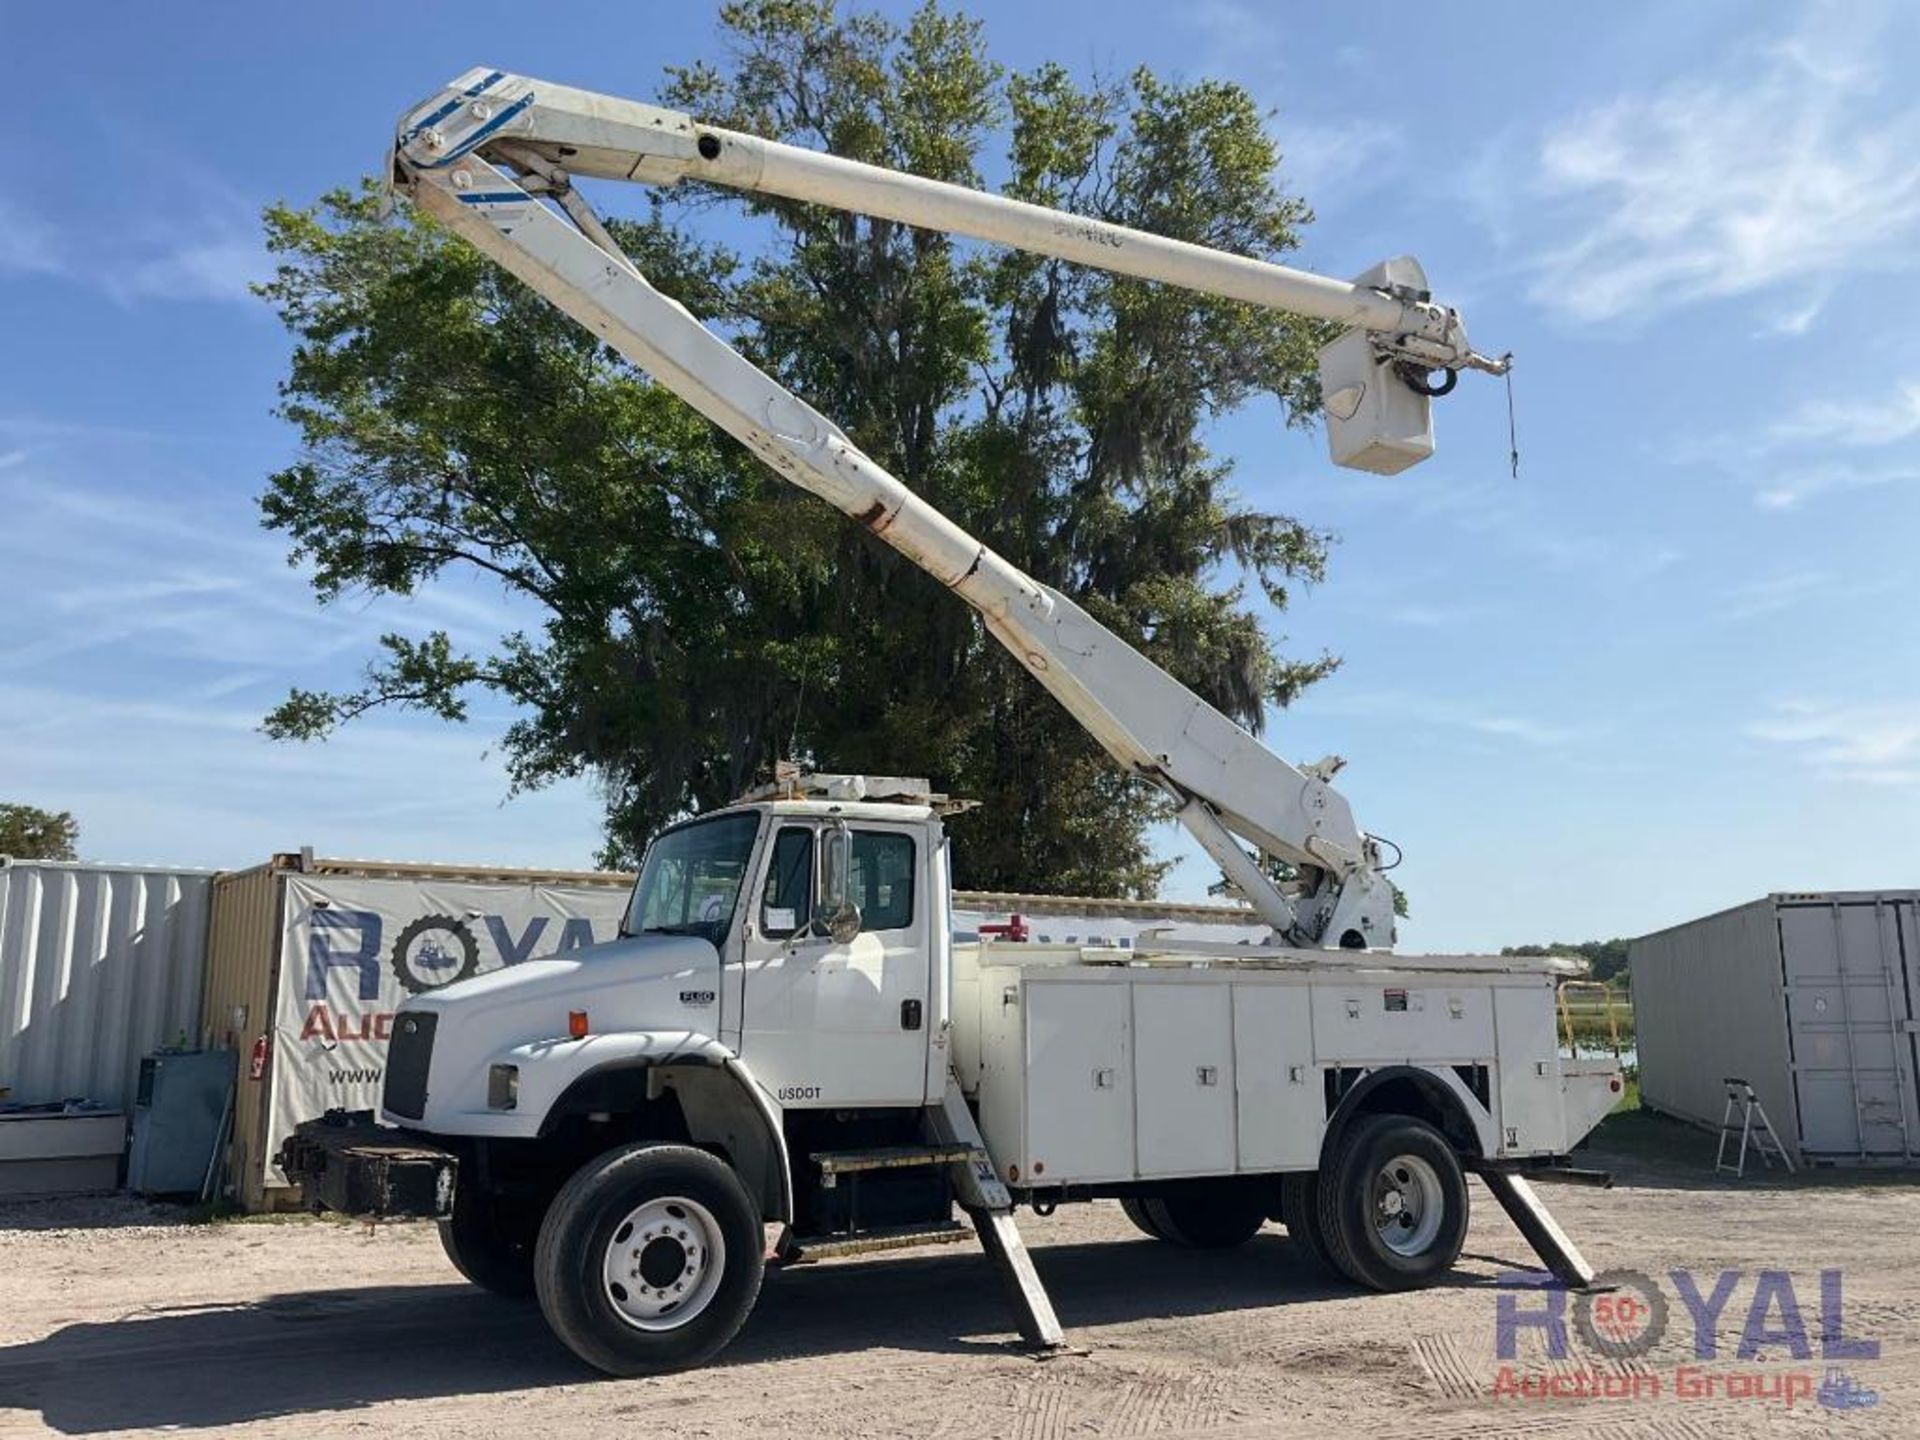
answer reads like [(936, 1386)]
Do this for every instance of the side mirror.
[(839, 917)]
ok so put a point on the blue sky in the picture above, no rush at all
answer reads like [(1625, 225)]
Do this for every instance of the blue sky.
[(1668, 668)]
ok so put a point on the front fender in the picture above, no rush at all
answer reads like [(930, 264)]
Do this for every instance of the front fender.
[(725, 1108), (457, 1101)]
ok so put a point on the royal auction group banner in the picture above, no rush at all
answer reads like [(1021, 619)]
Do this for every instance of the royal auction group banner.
[(355, 948)]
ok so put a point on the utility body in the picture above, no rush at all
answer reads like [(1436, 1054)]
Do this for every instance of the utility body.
[(787, 1034)]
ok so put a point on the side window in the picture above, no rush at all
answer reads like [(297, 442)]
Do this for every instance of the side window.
[(787, 906), (882, 879)]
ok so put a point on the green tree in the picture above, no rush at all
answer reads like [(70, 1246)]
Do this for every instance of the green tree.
[(1607, 959), (30, 833), (699, 617)]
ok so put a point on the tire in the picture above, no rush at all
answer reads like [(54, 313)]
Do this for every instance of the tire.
[(615, 1296), (1207, 1217), (1136, 1211), (1299, 1212), (490, 1251), (1392, 1204)]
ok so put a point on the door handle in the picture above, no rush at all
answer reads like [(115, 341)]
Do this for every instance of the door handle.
[(910, 1014)]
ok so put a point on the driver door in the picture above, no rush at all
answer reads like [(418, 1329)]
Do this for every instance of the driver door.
[(826, 1024)]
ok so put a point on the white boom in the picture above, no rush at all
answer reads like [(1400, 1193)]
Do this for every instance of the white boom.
[(449, 154)]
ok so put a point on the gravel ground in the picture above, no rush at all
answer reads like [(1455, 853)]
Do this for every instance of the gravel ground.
[(119, 1317)]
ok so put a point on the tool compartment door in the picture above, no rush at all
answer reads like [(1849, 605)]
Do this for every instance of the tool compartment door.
[(1532, 1119), (1277, 1087), (1079, 1083), (1183, 1077)]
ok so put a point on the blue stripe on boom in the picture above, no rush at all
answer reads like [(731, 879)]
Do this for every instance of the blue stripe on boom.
[(452, 105), (481, 134), (435, 118), (493, 197)]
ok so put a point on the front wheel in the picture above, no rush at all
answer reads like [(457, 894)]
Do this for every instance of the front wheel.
[(650, 1259), (488, 1248), (1392, 1204)]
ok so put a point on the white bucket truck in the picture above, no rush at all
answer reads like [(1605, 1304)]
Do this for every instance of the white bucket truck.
[(786, 1040)]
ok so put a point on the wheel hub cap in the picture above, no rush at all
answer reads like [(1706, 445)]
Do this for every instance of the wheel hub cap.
[(663, 1263), (1409, 1205)]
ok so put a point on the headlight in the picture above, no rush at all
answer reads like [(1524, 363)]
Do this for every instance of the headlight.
[(503, 1087)]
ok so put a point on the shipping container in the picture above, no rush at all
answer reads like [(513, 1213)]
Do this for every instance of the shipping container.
[(99, 964), (1811, 998)]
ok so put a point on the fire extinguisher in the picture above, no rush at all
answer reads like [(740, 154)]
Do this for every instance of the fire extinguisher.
[(257, 1064)]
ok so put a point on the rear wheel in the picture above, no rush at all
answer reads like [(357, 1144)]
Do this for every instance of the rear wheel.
[(649, 1259), (1392, 1203), (1299, 1212), (1136, 1211), (1215, 1216)]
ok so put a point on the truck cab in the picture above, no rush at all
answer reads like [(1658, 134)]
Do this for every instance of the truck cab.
[(802, 934)]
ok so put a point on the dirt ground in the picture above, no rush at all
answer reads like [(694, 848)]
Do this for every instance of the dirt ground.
[(118, 1317)]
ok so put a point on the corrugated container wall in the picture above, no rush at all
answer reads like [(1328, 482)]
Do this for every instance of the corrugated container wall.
[(99, 964), (1814, 999)]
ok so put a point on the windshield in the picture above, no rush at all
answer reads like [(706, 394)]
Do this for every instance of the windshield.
[(692, 877)]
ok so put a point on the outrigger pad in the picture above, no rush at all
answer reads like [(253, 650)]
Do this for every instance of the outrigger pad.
[(1033, 1310)]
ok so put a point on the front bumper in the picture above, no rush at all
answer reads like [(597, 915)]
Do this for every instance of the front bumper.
[(350, 1164)]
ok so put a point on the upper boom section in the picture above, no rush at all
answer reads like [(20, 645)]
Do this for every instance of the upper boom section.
[(1377, 400), (480, 156)]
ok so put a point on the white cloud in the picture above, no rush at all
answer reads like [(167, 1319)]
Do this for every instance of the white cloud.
[(213, 252), (1757, 598), (28, 245), (1878, 421), (223, 267), (152, 624), (1326, 164), (1871, 743), (1799, 320), (1789, 487), (1781, 167), (1522, 521), (1429, 711)]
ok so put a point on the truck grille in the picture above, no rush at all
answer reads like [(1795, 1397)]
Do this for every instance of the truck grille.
[(409, 1053)]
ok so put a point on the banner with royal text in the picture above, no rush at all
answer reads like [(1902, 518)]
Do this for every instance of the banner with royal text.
[(354, 948)]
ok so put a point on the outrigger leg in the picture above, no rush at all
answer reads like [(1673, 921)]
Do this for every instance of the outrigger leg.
[(1523, 1206), (990, 1207)]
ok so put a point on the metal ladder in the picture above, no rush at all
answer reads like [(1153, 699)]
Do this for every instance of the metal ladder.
[(1765, 1141)]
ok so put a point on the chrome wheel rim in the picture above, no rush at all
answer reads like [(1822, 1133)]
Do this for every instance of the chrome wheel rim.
[(663, 1263), (1409, 1204)]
